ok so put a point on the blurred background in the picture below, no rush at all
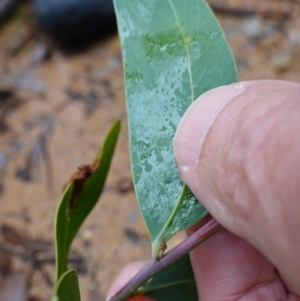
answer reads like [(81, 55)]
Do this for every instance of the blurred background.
[(61, 88)]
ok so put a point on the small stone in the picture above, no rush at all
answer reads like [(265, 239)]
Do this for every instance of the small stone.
[(282, 61), (294, 36), (3, 160), (252, 27)]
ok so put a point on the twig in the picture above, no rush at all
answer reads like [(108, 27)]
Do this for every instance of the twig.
[(32, 257), (242, 12), (38, 152), (154, 266), (14, 252)]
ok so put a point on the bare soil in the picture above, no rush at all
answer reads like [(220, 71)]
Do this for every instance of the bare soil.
[(55, 109)]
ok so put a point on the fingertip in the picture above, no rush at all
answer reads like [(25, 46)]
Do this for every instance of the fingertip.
[(226, 265), (197, 121), (127, 273), (246, 175)]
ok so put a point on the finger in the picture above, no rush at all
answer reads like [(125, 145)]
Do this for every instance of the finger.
[(226, 267), (238, 149), (125, 275)]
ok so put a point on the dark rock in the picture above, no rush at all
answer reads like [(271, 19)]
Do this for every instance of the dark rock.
[(75, 22)]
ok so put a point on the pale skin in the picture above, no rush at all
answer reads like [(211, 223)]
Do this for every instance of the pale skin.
[(238, 149)]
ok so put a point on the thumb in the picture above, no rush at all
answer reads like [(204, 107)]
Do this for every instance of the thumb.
[(238, 149)]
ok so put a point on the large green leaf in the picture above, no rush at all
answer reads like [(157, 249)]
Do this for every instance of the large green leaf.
[(176, 282), (80, 197), (173, 51), (67, 288)]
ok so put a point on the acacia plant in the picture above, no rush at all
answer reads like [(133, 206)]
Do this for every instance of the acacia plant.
[(173, 51)]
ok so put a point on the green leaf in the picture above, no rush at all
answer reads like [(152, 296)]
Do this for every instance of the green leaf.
[(67, 288), (80, 197), (173, 51), (176, 282)]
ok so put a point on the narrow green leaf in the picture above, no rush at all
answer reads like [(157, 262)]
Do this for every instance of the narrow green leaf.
[(80, 197), (176, 282), (67, 288), (173, 51)]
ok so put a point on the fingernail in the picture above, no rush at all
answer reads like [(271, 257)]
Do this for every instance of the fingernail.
[(197, 121)]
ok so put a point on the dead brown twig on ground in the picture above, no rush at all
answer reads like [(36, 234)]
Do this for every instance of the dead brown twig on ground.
[(266, 13)]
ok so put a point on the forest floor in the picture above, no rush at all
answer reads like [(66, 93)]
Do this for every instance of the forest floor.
[(55, 109)]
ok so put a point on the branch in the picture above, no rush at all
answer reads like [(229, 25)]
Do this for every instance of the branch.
[(154, 266), (266, 13)]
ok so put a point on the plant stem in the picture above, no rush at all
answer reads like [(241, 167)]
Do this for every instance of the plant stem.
[(154, 266)]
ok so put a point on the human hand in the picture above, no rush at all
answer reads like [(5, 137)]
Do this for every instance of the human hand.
[(238, 149)]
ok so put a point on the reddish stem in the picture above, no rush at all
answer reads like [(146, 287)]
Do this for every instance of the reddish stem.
[(154, 266)]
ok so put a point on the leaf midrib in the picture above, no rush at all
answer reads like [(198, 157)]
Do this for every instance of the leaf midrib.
[(186, 48), (159, 237), (145, 290)]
